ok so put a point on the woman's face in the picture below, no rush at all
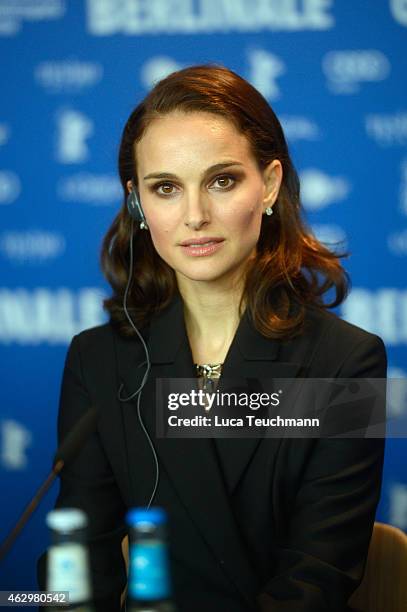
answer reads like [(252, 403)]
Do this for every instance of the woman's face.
[(202, 194)]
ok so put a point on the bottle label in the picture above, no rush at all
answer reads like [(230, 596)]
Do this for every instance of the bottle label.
[(149, 577), (68, 571)]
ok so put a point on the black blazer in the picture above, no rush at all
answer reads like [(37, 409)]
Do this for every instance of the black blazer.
[(255, 524)]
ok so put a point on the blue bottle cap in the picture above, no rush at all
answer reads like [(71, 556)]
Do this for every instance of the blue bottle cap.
[(154, 516)]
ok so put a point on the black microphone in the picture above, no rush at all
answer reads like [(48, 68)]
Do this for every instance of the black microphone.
[(72, 443)]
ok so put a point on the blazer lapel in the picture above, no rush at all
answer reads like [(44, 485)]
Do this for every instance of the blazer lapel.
[(251, 357)]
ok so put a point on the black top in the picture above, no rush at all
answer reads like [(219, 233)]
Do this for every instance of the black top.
[(285, 522)]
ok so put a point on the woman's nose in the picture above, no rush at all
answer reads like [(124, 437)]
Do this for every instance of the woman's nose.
[(196, 211)]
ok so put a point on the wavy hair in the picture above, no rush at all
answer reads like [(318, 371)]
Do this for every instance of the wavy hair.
[(291, 269)]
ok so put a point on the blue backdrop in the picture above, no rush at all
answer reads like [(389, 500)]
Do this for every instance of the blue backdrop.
[(71, 72)]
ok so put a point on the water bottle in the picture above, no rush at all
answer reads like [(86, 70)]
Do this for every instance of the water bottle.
[(68, 560), (149, 584)]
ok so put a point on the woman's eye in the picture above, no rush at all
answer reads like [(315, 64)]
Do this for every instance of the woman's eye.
[(224, 182), (164, 188)]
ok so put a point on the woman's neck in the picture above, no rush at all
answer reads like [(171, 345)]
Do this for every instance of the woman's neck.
[(211, 314)]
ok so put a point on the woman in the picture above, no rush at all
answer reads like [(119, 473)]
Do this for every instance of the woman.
[(211, 265)]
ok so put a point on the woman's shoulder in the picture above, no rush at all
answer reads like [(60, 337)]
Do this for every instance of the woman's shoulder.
[(99, 335), (328, 324), (330, 344), (106, 342), (98, 340)]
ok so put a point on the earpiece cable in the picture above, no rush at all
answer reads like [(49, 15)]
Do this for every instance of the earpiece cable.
[(146, 373)]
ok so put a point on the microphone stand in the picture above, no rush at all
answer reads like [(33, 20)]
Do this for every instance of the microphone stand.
[(73, 442)]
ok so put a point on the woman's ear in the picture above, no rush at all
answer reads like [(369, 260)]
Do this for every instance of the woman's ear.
[(129, 185), (273, 176)]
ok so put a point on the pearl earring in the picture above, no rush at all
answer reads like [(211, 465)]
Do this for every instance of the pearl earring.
[(269, 211)]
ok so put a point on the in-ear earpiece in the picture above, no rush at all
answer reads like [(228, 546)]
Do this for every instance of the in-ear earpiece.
[(134, 207)]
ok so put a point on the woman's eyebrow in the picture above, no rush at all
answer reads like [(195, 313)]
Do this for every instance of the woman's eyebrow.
[(169, 175)]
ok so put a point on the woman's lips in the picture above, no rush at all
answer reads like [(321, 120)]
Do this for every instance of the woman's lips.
[(201, 248)]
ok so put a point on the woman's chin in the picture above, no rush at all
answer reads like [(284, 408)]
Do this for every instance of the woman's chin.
[(212, 274), (207, 276)]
